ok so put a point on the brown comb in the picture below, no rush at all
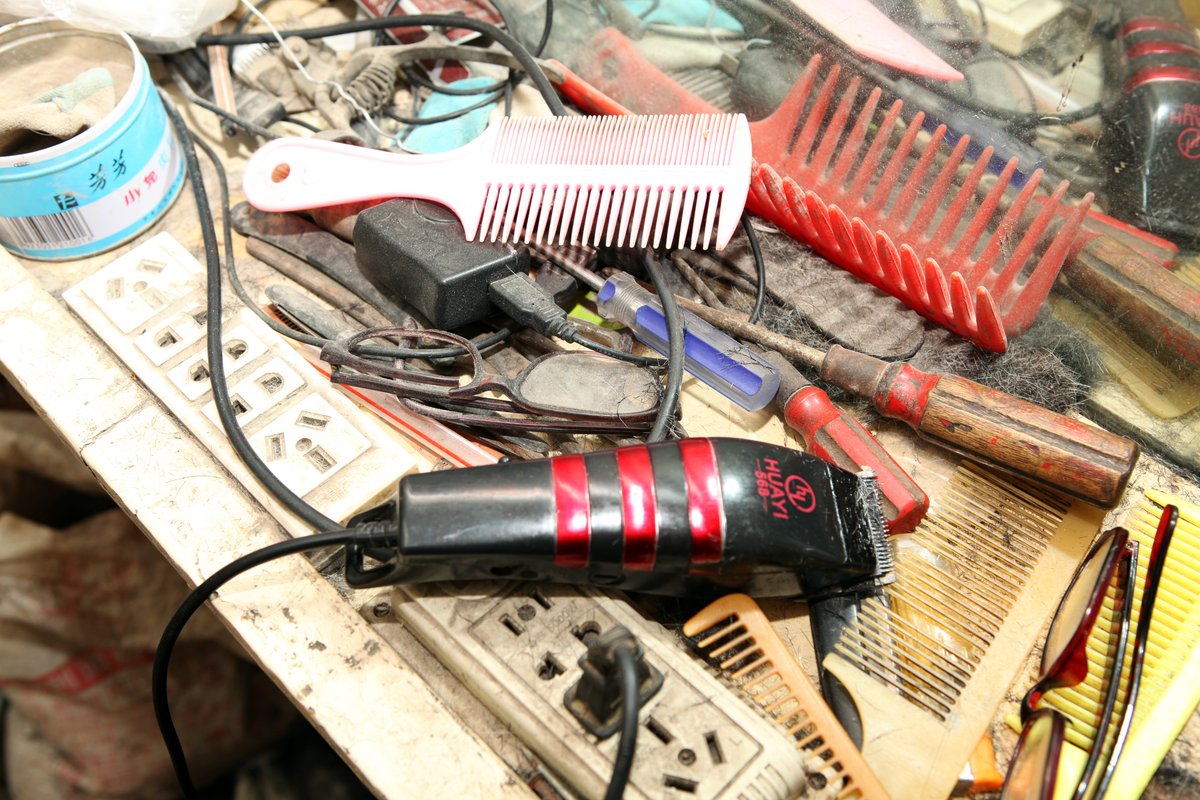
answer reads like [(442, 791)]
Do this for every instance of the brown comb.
[(980, 267), (734, 632)]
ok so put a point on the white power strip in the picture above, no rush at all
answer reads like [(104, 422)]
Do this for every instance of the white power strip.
[(517, 647), (149, 307), (518, 650)]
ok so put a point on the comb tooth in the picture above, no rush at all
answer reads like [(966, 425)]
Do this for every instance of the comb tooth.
[(545, 209), (489, 208), (916, 179), (630, 208), (984, 214), (663, 200), (713, 202), (1029, 240), (501, 203), (934, 281), (835, 128), (687, 220), (613, 209), (743, 671), (672, 218), (965, 195), (522, 220), (510, 213), (870, 265), (595, 198), (892, 267), (637, 219), (1003, 236), (795, 203), (802, 150), (647, 215), (960, 298), (583, 199), (563, 208), (741, 638), (933, 200), (843, 231), (867, 167), (858, 134), (991, 335), (891, 174), (819, 214)]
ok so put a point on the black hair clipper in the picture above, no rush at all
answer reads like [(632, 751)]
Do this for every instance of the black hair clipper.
[(1151, 140), (695, 516)]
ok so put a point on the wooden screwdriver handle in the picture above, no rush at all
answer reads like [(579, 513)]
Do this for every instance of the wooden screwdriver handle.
[(992, 427)]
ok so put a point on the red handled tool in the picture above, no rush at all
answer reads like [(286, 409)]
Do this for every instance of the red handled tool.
[(837, 437)]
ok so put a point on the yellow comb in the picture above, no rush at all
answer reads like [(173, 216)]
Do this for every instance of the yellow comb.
[(736, 634), (1170, 689), (1189, 272)]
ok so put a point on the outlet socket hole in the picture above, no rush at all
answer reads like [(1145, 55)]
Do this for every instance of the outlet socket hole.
[(541, 600), (152, 266), (304, 445), (166, 338), (140, 286), (549, 669), (200, 317), (236, 349), (687, 756), (275, 447), (320, 459), (659, 730), (714, 747), (586, 632), (680, 784), (199, 372), (510, 623), (271, 383), (307, 419), (239, 406), (114, 289)]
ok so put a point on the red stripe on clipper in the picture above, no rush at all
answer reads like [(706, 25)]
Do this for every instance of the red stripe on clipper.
[(639, 509), (572, 511), (1161, 73), (1159, 47), (705, 509), (1139, 24)]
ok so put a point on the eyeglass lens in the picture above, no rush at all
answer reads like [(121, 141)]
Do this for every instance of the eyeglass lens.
[(1033, 771), (1075, 605)]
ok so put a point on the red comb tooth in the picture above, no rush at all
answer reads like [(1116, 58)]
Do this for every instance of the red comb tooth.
[(866, 169), (975, 229), (989, 329), (935, 287), (893, 271), (887, 182), (799, 158), (937, 193), (916, 179), (835, 128), (847, 159), (958, 206), (961, 307), (1021, 312), (1006, 233), (871, 268)]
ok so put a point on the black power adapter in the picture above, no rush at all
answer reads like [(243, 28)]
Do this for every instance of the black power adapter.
[(416, 252)]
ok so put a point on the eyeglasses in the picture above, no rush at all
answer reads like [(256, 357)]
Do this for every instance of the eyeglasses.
[(565, 392), (1108, 570)]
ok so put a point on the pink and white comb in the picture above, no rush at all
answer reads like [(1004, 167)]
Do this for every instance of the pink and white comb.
[(660, 181)]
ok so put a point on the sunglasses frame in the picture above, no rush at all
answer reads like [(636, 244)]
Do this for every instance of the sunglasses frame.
[(1071, 668)]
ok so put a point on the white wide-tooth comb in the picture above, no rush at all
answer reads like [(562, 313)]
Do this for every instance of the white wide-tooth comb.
[(658, 181)]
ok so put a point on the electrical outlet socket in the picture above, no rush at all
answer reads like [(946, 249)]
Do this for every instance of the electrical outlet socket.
[(148, 305), (517, 647)]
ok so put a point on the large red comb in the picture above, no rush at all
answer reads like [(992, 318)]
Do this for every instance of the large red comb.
[(848, 179)]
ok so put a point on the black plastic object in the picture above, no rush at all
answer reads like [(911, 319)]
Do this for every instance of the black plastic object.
[(595, 699), (696, 516), (1151, 141), (416, 252)]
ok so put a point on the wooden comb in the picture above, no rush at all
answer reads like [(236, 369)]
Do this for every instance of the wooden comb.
[(1170, 688), (659, 181), (734, 633), (903, 222), (928, 664)]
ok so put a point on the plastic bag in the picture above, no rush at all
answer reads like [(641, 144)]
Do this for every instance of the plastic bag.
[(160, 25)]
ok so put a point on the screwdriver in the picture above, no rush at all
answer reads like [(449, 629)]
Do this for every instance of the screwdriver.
[(839, 438), (720, 361), (983, 424)]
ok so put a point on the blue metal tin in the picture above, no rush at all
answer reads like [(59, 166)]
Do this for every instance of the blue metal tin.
[(103, 186)]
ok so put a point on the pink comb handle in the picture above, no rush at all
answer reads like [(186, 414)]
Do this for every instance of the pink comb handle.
[(656, 181)]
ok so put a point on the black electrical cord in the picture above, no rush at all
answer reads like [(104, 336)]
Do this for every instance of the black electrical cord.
[(391, 113), (670, 399), (302, 123), (760, 268), (366, 537), (632, 358), (197, 100), (623, 763), (523, 56)]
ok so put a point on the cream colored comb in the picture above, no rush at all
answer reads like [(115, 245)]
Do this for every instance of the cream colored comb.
[(1170, 689), (929, 664), (736, 634)]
